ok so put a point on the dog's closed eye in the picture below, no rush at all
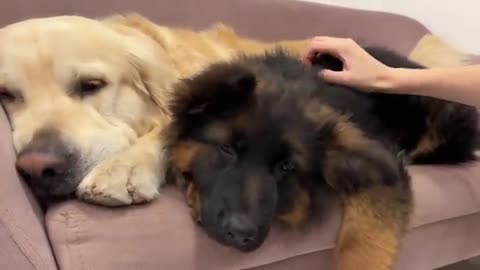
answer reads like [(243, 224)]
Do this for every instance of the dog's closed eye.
[(89, 86), (8, 95)]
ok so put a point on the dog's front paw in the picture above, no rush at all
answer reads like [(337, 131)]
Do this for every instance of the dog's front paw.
[(118, 182)]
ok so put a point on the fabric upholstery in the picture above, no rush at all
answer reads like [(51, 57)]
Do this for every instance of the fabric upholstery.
[(266, 19), (162, 235), (23, 241)]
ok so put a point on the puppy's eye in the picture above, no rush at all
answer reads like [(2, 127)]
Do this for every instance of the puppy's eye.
[(87, 87), (287, 166), (226, 149), (283, 168)]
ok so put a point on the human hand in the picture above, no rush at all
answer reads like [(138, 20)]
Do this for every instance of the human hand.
[(360, 70)]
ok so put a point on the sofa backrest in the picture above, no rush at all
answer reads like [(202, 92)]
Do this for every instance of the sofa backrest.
[(266, 19)]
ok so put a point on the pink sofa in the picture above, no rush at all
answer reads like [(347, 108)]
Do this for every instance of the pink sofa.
[(75, 235)]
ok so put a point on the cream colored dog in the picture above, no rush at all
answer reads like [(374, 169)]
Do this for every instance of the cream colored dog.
[(86, 100)]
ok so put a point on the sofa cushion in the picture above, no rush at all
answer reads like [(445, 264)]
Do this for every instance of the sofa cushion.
[(162, 235), (23, 240)]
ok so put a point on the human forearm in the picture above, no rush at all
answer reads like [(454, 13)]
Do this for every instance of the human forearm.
[(363, 72), (460, 84)]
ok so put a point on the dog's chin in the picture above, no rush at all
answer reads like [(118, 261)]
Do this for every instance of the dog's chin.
[(50, 195), (46, 200), (53, 200), (254, 245)]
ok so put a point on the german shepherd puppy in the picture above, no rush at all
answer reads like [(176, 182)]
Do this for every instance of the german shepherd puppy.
[(260, 137)]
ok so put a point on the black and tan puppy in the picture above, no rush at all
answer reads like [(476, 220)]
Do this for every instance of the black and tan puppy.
[(258, 139)]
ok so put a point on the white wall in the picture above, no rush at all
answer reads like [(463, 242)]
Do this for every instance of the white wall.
[(458, 21)]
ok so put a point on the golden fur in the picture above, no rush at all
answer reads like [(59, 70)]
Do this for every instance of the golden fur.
[(118, 130), (432, 51)]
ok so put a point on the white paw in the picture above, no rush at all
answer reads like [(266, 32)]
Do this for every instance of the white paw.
[(119, 181)]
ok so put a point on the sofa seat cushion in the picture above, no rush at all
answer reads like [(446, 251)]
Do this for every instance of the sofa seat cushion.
[(161, 235)]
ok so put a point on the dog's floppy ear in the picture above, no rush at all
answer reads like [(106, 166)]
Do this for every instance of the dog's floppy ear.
[(219, 88), (154, 72)]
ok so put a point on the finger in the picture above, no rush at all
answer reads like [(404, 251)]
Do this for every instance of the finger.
[(332, 46), (314, 46), (321, 38), (337, 47), (310, 55), (330, 38), (338, 77), (313, 53), (306, 61)]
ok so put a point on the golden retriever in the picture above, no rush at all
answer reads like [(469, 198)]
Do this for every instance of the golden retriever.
[(86, 99)]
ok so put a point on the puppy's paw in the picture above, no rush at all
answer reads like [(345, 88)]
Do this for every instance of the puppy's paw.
[(119, 181)]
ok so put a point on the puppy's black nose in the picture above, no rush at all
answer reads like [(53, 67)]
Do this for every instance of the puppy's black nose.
[(240, 230)]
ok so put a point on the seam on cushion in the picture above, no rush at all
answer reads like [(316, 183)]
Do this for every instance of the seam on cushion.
[(446, 219), (14, 240), (72, 237), (421, 224)]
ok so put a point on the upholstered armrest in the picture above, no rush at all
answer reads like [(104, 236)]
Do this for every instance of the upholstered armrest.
[(23, 240)]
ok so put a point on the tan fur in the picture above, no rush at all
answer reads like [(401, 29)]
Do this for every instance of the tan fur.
[(427, 144), (299, 214), (193, 200), (347, 132), (433, 51), (182, 155), (373, 224), (299, 149), (191, 51), (319, 113), (217, 132)]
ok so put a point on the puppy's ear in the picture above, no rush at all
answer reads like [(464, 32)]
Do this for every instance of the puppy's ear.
[(218, 89)]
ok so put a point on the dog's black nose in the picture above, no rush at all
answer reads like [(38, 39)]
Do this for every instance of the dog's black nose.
[(240, 230), (47, 165), (38, 165)]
